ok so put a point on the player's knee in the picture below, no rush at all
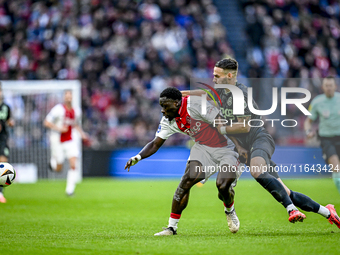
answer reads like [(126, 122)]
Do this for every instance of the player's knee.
[(186, 184), (257, 166), (255, 174), (224, 183), (257, 161), (59, 167)]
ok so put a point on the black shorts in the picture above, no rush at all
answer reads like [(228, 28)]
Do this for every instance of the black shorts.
[(330, 146), (263, 146), (4, 149)]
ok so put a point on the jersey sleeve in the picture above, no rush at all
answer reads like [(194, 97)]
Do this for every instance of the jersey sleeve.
[(54, 114), (164, 130), (194, 108), (313, 110)]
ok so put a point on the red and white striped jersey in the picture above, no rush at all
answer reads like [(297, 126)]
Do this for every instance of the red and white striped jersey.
[(193, 123), (61, 116)]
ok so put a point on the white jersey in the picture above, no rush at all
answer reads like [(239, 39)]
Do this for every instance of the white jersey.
[(61, 116), (193, 111)]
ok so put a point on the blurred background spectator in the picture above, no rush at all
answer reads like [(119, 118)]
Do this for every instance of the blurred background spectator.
[(293, 39)]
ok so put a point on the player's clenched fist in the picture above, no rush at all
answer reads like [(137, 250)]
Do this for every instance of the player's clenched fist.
[(132, 161)]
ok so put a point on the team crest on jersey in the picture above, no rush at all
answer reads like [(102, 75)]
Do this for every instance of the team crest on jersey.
[(230, 101)]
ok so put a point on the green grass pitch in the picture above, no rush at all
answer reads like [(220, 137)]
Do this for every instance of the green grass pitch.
[(108, 216)]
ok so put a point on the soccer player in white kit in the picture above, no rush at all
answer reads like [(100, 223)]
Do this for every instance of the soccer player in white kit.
[(61, 120)]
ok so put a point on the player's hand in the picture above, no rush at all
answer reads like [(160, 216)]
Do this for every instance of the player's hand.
[(10, 123), (243, 154), (84, 136), (311, 134), (63, 129), (132, 161)]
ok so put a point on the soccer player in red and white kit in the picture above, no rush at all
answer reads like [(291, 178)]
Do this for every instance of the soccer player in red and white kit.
[(61, 120), (210, 151)]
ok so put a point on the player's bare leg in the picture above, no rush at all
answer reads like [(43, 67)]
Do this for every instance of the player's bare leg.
[(72, 176), (55, 167), (258, 169), (180, 200), (224, 182), (2, 198), (59, 167), (334, 161)]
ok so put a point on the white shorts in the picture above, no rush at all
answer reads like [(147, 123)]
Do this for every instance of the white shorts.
[(213, 158), (60, 151)]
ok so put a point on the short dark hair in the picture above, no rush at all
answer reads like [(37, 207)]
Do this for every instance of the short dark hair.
[(227, 64), (171, 93), (330, 77)]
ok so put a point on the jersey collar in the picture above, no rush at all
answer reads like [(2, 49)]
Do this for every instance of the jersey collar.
[(182, 109)]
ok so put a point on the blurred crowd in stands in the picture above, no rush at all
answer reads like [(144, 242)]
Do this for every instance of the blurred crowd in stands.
[(294, 39), (126, 52), (123, 52)]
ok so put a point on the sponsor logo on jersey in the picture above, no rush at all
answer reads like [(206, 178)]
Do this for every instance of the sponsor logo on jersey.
[(227, 113), (193, 130)]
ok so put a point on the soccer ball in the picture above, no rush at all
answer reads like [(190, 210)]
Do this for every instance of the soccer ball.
[(7, 174)]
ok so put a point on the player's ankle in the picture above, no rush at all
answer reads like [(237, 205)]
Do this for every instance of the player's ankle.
[(173, 220), (291, 207), (229, 208)]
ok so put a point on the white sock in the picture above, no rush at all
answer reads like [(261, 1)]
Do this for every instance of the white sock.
[(53, 162), (71, 181), (324, 211), (229, 209), (291, 207), (173, 223)]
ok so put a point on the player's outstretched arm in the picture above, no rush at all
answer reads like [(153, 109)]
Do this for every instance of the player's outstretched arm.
[(308, 128), (239, 127), (195, 92), (149, 149)]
